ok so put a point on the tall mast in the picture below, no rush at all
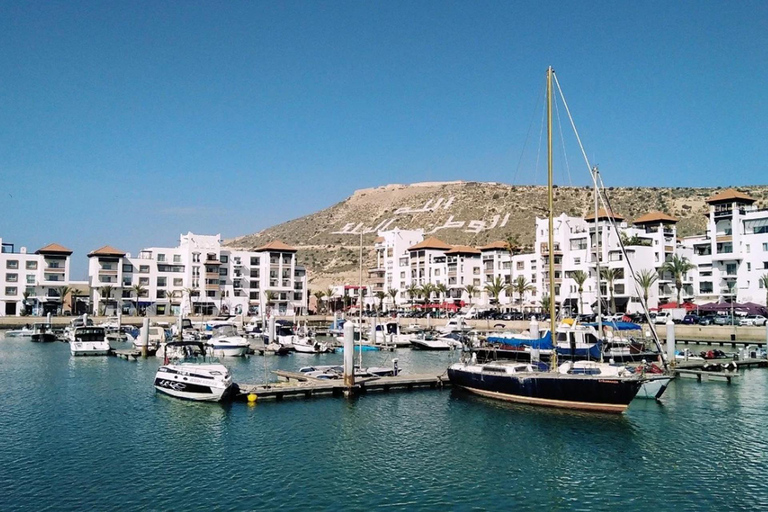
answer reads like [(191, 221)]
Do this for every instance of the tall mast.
[(598, 254), (551, 208), (360, 304)]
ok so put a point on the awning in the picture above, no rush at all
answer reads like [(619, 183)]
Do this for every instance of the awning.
[(145, 304)]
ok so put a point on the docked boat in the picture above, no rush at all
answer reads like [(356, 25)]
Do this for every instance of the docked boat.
[(332, 372), (455, 324), (225, 342), (450, 341), (89, 341), (193, 375), (155, 337), (306, 345), (80, 321), (388, 334), (24, 332), (42, 333)]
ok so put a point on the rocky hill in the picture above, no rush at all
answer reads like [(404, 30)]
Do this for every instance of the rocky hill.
[(468, 213)]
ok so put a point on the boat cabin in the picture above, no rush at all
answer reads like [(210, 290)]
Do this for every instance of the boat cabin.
[(90, 334)]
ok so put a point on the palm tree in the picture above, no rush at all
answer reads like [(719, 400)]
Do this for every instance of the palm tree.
[(392, 292), (361, 297), (513, 244), (678, 267), (545, 302), (521, 285), (63, 292), (610, 275), (106, 294), (471, 291), (25, 296), (427, 290), (580, 277), (319, 296), (139, 291), (442, 292), (413, 291), (381, 295), (764, 283), (269, 298), (494, 289), (329, 299), (646, 278)]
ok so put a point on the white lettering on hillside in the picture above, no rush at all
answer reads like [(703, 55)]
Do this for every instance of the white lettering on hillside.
[(471, 226), (430, 206)]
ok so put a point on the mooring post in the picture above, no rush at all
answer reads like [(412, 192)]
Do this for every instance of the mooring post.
[(534, 328), (670, 342), (349, 354), (272, 330), (144, 336)]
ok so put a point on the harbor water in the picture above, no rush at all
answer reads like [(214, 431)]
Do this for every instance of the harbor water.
[(91, 433)]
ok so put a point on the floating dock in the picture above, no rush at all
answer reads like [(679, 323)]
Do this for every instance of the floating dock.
[(701, 375), (297, 385)]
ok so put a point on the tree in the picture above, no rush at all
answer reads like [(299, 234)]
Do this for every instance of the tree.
[(645, 278), (106, 295), (545, 305), (413, 291), (442, 292), (521, 285), (513, 244), (361, 297), (63, 292), (139, 291), (319, 294), (610, 275), (380, 295), (633, 240), (25, 297), (269, 298), (494, 289), (764, 283), (427, 290), (678, 267), (471, 292), (580, 277), (329, 299), (392, 292)]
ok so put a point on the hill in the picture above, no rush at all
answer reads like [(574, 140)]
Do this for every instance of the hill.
[(469, 213)]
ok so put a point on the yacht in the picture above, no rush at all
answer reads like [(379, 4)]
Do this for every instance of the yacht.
[(306, 345), (389, 334), (89, 341), (455, 324), (190, 375), (80, 321), (155, 337), (427, 341), (24, 332), (225, 342)]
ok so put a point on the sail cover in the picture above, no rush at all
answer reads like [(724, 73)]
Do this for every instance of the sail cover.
[(545, 342)]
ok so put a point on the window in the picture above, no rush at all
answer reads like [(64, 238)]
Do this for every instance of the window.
[(747, 248), (618, 289), (161, 257), (402, 274), (222, 282), (31, 265), (144, 281), (127, 281), (12, 264), (210, 293), (162, 281), (577, 261), (195, 257), (749, 265), (765, 246), (297, 296), (11, 290), (520, 265), (254, 260), (144, 269), (254, 295), (12, 278), (222, 271), (178, 281), (30, 279), (127, 267), (705, 287), (224, 258), (437, 272), (177, 258), (160, 294), (579, 244)]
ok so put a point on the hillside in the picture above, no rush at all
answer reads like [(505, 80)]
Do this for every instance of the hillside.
[(468, 213)]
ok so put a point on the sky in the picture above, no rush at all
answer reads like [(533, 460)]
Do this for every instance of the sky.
[(128, 123)]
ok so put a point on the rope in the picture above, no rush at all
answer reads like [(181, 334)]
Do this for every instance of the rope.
[(527, 136)]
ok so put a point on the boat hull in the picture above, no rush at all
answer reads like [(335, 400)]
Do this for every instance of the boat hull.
[(653, 389), (80, 348), (587, 393), (43, 338), (195, 392), (225, 351)]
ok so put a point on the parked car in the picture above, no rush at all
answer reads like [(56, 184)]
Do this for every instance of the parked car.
[(706, 320), (757, 320), (690, 319), (725, 320)]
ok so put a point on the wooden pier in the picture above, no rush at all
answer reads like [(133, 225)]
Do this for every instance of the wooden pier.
[(297, 385), (129, 354), (701, 375)]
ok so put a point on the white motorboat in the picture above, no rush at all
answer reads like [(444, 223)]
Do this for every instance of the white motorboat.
[(192, 375), (155, 336), (337, 372), (654, 384), (80, 321), (24, 332), (389, 334), (455, 324), (89, 341), (311, 346), (451, 341), (225, 342)]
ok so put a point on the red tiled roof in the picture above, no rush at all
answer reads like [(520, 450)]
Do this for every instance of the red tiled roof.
[(655, 217), (730, 195), (500, 244), (107, 251), (463, 249), (431, 243), (276, 245), (54, 248), (603, 214)]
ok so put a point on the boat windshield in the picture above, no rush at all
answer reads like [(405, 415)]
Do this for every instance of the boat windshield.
[(224, 330), (89, 334)]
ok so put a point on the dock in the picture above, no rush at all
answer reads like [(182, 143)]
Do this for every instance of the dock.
[(128, 354), (701, 375), (297, 385)]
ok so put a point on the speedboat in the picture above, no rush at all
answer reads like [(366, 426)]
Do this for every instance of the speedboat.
[(155, 337), (42, 333), (80, 321), (89, 341), (24, 332), (192, 375), (225, 342), (451, 341), (311, 346), (457, 323), (389, 334), (333, 372)]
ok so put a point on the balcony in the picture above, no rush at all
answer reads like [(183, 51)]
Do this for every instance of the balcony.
[(545, 249), (57, 268), (209, 286)]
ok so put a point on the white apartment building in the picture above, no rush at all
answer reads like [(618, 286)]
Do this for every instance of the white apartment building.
[(392, 270), (40, 275), (732, 257), (199, 276)]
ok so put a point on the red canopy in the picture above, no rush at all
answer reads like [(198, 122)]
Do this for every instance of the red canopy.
[(688, 306)]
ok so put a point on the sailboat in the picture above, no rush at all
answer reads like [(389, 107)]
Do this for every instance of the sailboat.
[(572, 385)]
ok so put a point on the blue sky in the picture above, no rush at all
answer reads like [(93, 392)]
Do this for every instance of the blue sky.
[(127, 123)]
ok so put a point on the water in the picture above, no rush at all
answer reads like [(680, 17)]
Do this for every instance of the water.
[(92, 434)]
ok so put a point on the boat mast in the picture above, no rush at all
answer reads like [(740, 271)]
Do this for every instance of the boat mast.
[(551, 210), (598, 254), (360, 304)]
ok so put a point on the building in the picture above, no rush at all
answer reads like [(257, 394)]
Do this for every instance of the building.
[(31, 283), (392, 270), (199, 276)]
